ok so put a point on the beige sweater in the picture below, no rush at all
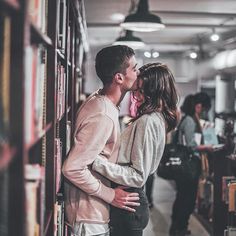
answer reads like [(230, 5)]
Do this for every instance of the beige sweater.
[(97, 133), (142, 146)]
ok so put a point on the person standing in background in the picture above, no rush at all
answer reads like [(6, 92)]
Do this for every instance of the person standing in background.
[(97, 133), (189, 129), (142, 145)]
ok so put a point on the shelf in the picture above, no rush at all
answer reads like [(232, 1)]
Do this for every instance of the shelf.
[(33, 30), (6, 155), (38, 37)]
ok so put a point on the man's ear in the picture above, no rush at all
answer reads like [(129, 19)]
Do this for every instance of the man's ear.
[(119, 78)]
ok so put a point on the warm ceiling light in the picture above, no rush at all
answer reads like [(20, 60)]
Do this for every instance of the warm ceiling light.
[(155, 54), (214, 37), (143, 20), (193, 55), (130, 40), (147, 54)]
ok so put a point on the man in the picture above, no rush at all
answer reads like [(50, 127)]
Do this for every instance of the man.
[(97, 133)]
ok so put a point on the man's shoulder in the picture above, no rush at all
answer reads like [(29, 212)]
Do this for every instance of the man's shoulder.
[(99, 105)]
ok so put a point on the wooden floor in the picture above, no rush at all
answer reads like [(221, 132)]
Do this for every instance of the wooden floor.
[(163, 196)]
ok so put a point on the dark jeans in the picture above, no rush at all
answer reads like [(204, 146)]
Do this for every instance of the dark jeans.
[(130, 223), (184, 203)]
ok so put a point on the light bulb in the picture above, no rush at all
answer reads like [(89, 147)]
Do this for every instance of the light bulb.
[(147, 54), (193, 55), (215, 37)]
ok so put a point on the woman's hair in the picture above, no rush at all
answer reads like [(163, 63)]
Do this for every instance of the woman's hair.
[(191, 100), (188, 106), (159, 93), (204, 99)]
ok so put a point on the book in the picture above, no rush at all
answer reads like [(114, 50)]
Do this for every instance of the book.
[(232, 190), (33, 175), (58, 163), (68, 136), (5, 57), (209, 136), (62, 25), (225, 189)]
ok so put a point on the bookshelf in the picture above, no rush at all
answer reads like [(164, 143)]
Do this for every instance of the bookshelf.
[(216, 204), (43, 47)]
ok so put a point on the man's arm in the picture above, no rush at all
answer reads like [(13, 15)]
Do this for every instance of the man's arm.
[(89, 143)]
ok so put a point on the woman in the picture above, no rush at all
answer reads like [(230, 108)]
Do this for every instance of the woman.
[(190, 134), (142, 145)]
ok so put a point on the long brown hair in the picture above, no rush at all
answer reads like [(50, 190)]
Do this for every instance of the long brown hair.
[(159, 93)]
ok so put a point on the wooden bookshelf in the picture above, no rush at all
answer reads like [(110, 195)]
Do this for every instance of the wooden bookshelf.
[(41, 43)]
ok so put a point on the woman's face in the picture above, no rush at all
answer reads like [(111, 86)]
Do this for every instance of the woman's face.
[(138, 94)]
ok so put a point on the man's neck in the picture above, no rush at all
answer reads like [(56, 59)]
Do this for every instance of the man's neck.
[(113, 94)]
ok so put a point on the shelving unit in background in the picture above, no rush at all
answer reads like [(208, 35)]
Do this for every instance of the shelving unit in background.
[(42, 48)]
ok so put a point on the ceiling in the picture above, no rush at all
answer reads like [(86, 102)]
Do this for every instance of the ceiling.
[(189, 24)]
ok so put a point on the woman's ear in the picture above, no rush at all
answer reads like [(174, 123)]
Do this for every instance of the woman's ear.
[(119, 78)]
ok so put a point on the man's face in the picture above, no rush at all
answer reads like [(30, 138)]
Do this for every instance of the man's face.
[(130, 80)]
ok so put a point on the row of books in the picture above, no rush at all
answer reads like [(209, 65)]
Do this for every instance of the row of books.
[(5, 52), (59, 216), (34, 86), (35, 194), (229, 192)]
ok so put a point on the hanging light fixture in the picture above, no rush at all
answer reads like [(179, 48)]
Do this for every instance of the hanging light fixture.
[(130, 40), (143, 20)]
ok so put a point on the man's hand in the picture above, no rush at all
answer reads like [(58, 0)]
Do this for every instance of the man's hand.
[(124, 199)]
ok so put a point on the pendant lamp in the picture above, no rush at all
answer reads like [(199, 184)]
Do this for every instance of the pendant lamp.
[(130, 40), (142, 20)]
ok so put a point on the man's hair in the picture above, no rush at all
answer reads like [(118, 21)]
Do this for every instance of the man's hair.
[(112, 60)]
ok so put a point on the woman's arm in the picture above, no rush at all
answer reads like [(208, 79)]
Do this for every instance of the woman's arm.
[(136, 174)]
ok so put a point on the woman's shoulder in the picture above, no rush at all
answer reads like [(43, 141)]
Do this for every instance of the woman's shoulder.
[(187, 120), (154, 119)]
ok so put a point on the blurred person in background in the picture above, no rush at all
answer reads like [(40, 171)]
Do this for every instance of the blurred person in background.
[(190, 134)]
